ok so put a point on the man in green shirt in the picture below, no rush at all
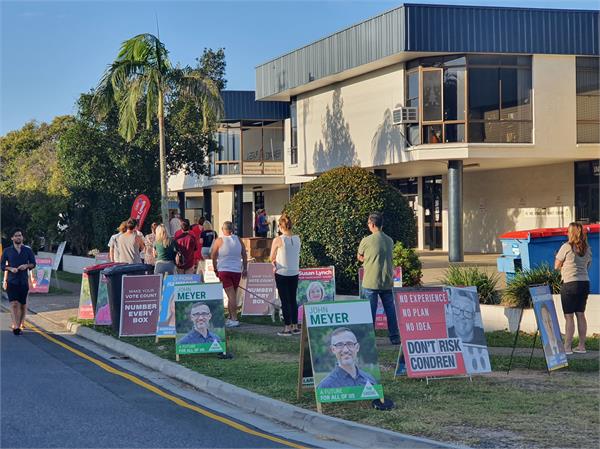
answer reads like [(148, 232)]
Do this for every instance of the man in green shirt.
[(375, 252)]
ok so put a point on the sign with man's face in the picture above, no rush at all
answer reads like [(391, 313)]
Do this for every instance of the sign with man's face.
[(260, 289), (547, 321), (39, 280), (166, 320), (140, 299), (343, 352), (199, 318)]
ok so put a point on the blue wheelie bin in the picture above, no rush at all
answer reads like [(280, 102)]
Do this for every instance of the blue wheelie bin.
[(524, 250), (114, 276)]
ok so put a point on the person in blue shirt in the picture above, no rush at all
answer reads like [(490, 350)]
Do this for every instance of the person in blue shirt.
[(16, 261), (200, 315), (345, 347)]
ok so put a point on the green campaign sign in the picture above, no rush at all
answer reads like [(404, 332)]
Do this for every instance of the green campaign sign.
[(199, 318), (343, 351)]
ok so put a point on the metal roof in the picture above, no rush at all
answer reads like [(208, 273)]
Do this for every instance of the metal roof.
[(242, 105), (416, 28)]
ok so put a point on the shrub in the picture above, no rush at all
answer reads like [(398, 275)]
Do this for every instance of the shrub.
[(485, 282), (408, 259), (330, 216), (517, 294)]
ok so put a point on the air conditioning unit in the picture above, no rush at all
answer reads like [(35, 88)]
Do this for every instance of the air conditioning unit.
[(404, 115)]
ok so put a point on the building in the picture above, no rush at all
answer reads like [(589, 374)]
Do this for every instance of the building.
[(506, 134)]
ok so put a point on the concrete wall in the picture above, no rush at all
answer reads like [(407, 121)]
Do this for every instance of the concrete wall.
[(275, 200), (499, 201), (349, 123), (222, 206)]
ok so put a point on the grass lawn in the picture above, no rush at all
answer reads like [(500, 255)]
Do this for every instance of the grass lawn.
[(69, 277), (526, 409), (58, 291)]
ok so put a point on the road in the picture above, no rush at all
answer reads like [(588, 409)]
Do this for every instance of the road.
[(51, 397)]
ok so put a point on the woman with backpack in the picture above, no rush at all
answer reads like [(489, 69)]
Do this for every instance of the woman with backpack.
[(186, 246)]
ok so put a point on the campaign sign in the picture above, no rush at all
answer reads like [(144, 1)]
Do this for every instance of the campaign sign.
[(260, 284), (39, 279), (199, 319), (166, 320), (427, 349), (463, 320), (209, 272), (140, 208), (343, 352), (59, 253), (86, 309), (140, 299), (315, 285), (547, 321), (102, 315)]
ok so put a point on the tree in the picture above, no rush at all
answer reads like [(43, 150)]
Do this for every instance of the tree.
[(143, 72), (330, 216), (212, 65)]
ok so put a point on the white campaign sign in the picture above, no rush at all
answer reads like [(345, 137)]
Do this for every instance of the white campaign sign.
[(59, 253)]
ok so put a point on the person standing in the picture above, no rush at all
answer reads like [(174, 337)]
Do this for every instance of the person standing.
[(130, 244), (375, 252), (285, 257), (174, 223), (16, 261), (574, 259), (164, 252), (207, 237), (230, 262), (196, 231), (186, 244), (149, 245), (113, 249), (262, 225)]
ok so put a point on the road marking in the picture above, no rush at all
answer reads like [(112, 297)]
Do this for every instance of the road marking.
[(165, 395)]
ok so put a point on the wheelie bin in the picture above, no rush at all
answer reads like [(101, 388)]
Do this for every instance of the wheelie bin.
[(93, 273)]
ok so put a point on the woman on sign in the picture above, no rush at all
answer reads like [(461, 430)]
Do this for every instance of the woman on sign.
[(164, 252), (285, 257), (574, 259)]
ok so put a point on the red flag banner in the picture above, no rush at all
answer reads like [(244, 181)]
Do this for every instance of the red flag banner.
[(140, 208)]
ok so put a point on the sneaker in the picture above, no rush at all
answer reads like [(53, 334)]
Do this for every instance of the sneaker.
[(232, 323), (284, 333), (395, 342), (17, 331), (579, 351), (296, 331)]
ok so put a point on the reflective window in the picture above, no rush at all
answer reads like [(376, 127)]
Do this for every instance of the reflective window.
[(294, 132), (432, 95), (454, 94), (484, 94), (588, 100)]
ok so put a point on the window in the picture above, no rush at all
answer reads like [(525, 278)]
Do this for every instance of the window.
[(474, 98), (226, 158), (294, 132), (500, 99), (259, 200), (587, 199), (588, 100)]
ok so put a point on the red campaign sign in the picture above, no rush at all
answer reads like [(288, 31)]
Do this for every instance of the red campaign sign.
[(316, 274), (140, 208), (260, 284), (140, 300), (427, 349)]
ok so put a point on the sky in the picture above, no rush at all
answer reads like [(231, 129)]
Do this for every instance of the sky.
[(51, 52)]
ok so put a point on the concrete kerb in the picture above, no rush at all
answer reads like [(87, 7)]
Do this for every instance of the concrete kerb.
[(316, 424)]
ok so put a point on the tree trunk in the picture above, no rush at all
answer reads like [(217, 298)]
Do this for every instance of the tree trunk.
[(164, 199)]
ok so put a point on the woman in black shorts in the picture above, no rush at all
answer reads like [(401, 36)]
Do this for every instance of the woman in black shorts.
[(574, 259)]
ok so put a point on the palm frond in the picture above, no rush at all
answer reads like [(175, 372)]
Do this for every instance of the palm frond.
[(204, 92), (131, 96)]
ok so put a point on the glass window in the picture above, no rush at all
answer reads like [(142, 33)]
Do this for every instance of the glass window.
[(252, 144), (412, 89), (454, 94), (588, 100), (432, 134), (500, 132), (516, 94), (432, 95), (273, 142), (454, 132), (233, 144), (413, 135), (294, 132), (484, 94)]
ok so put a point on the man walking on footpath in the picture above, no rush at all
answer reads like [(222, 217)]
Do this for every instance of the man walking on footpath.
[(375, 252), (16, 261)]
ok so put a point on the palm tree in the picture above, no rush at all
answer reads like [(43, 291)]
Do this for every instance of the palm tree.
[(143, 72)]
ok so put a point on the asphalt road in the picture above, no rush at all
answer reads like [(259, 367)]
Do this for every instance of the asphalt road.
[(51, 397)]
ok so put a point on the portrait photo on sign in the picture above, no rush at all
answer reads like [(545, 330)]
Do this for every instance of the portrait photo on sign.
[(549, 329), (344, 356), (463, 316), (315, 291), (199, 322)]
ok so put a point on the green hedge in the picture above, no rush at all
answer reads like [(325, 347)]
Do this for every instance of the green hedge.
[(330, 215)]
